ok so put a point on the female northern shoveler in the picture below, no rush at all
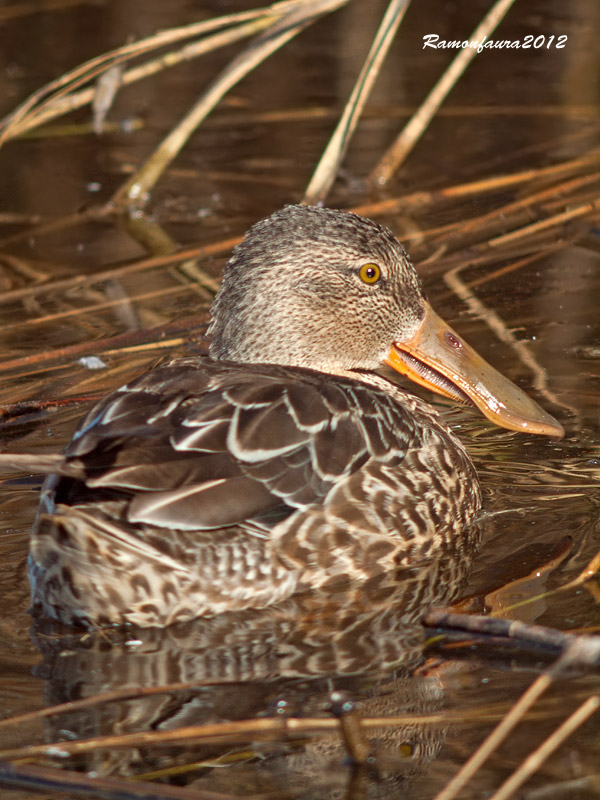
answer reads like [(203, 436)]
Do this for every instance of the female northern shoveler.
[(282, 461)]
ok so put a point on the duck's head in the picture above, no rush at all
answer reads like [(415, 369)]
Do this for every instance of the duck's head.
[(332, 291)]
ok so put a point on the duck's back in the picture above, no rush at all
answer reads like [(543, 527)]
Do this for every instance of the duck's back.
[(205, 485)]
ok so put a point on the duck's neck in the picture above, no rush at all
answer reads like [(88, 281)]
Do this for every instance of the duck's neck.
[(421, 409)]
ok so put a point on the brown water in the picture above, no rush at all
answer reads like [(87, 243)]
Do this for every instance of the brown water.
[(513, 110)]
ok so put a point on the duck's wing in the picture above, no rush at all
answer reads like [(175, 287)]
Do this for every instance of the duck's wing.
[(201, 445), (205, 486)]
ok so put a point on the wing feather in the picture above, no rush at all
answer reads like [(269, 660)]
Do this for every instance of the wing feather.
[(202, 444)]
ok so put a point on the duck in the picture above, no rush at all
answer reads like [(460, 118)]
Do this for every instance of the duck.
[(286, 459)]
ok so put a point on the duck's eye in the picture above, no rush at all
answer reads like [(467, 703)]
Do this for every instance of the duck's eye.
[(370, 273)]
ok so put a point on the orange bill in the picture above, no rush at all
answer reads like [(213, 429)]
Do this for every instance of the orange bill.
[(438, 358)]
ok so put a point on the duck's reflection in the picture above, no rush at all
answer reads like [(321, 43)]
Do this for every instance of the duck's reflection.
[(287, 660)]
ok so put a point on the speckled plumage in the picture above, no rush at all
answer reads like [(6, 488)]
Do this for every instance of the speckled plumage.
[(238, 487), (281, 463)]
